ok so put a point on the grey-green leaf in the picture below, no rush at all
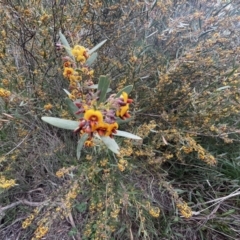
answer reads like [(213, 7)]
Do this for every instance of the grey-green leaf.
[(65, 44), (67, 92), (111, 144), (126, 89), (80, 145), (127, 135), (91, 59), (96, 47), (103, 85), (73, 108), (223, 88), (121, 121), (61, 123)]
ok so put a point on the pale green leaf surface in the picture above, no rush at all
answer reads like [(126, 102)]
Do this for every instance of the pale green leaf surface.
[(61, 123), (66, 91), (111, 144), (73, 108), (126, 89), (103, 85), (96, 47), (91, 59), (223, 88), (126, 134), (80, 145), (65, 44)]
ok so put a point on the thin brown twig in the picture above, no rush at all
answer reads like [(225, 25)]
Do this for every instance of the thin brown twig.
[(26, 202)]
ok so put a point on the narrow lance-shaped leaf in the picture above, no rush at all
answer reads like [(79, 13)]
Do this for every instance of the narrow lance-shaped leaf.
[(73, 108), (102, 88), (61, 123), (80, 145), (121, 121), (126, 89), (96, 47), (65, 44), (153, 4), (223, 88), (67, 92), (111, 144), (127, 135), (91, 59)]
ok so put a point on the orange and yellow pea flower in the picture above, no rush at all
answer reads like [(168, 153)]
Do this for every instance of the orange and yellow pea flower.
[(112, 128), (122, 112), (94, 117), (80, 53), (68, 71), (89, 143), (96, 124), (102, 128), (67, 64)]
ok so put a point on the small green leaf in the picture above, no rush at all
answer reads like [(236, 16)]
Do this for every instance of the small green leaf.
[(61, 123), (91, 59), (65, 44), (111, 144), (73, 232), (127, 135), (103, 87), (96, 47), (82, 207), (81, 142), (126, 89)]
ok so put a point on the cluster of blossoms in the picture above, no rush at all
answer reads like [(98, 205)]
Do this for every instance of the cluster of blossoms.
[(4, 93), (184, 209), (104, 119), (153, 211), (6, 184), (98, 115), (28, 221), (48, 106), (40, 232), (96, 118), (75, 70)]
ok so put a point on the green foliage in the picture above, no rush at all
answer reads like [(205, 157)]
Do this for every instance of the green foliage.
[(61, 123), (81, 144), (126, 89), (103, 85)]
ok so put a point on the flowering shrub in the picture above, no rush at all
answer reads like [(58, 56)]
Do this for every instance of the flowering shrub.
[(98, 116)]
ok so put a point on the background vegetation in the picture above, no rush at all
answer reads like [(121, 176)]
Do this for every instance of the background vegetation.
[(182, 180)]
